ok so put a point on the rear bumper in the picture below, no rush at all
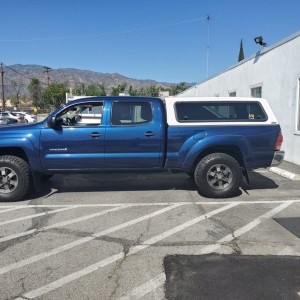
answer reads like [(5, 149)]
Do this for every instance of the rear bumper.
[(277, 158)]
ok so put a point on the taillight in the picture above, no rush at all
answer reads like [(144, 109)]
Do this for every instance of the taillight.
[(279, 141)]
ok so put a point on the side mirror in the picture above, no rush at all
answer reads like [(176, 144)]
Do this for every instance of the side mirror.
[(55, 122), (52, 122)]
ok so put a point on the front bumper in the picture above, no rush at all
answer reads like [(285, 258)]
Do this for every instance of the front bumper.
[(277, 158)]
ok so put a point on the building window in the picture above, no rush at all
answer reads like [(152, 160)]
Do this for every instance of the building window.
[(232, 94), (256, 92)]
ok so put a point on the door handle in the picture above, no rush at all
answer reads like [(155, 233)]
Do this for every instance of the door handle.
[(96, 134), (150, 133)]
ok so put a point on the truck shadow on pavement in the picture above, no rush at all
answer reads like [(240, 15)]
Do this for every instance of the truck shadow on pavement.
[(106, 182), (258, 182)]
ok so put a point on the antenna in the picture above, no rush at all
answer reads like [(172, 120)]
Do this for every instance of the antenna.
[(208, 18)]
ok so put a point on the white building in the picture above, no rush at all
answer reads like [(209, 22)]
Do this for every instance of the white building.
[(272, 73)]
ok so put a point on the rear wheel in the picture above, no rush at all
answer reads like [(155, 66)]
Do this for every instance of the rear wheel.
[(15, 178), (218, 175)]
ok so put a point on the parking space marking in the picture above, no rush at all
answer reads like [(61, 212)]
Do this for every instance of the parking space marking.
[(146, 288), (10, 209), (61, 224), (37, 215), (148, 204), (160, 279), (237, 233), (81, 241), (107, 261)]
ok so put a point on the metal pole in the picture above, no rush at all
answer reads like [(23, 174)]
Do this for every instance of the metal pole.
[(207, 48), (2, 81)]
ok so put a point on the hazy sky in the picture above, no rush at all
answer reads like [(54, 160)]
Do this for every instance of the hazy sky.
[(164, 40)]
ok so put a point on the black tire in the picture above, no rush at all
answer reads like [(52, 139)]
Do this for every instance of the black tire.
[(15, 178), (218, 175)]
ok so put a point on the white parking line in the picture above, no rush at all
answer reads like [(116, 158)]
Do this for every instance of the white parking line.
[(81, 241), (10, 209), (146, 288), (37, 215), (237, 233), (151, 203), (159, 280), (94, 267), (61, 224)]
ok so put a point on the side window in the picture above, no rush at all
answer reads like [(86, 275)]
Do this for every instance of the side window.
[(81, 115), (219, 111), (131, 113)]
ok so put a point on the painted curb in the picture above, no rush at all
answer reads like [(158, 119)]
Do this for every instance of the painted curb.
[(286, 174)]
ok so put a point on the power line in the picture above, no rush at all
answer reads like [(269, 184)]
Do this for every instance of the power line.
[(23, 75), (107, 33), (126, 32)]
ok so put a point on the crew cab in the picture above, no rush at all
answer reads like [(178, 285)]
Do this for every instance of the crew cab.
[(215, 140)]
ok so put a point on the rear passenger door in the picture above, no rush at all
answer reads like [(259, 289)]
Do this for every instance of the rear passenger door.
[(133, 137)]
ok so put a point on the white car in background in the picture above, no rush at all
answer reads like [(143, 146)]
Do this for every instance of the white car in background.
[(7, 114), (29, 118)]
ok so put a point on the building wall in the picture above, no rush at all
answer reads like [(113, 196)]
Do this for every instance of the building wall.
[(277, 70)]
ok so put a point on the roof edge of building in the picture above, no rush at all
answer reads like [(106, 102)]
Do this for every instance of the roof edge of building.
[(261, 52)]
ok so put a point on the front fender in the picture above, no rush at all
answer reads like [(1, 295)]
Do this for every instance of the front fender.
[(24, 144)]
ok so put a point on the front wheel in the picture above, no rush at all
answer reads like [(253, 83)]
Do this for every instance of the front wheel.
[(218, 175), (15, 178)]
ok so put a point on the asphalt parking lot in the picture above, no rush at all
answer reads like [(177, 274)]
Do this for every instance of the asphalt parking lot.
[(151, 236)]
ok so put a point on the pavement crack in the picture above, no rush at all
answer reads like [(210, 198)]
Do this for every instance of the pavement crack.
[(235, 246)]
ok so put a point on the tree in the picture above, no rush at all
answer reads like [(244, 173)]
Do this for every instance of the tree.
[(95, 90), (152, 91), (35, 92), (241, 53), (79, 89), (55, 94), (120, 88), (132, 91), (15, 93), (178, 88)]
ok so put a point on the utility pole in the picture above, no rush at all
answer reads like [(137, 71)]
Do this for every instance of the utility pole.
[(47, 70), (2, 83)]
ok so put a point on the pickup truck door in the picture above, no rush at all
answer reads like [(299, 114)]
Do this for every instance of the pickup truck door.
[(78, 142), (134, 137)]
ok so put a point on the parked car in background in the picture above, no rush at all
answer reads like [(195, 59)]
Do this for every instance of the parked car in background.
[(19, 117), (7, 120), (13, 115), (29, 118)]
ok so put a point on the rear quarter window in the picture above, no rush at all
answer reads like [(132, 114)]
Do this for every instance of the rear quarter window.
[(220, 111)]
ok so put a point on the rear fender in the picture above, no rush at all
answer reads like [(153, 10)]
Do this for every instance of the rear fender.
[(234, 145)]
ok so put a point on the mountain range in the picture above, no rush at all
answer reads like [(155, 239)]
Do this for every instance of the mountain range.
[(19, 76)]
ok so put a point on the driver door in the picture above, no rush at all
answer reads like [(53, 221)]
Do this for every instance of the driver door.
[(77, 142)]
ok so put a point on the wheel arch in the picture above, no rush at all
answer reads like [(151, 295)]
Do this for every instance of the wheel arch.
[(232, 150), (14, 151)]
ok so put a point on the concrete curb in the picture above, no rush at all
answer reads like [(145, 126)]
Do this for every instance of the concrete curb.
[(286, 174)]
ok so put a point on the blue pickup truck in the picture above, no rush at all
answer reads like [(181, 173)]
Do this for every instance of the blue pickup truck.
[(214, 140)]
